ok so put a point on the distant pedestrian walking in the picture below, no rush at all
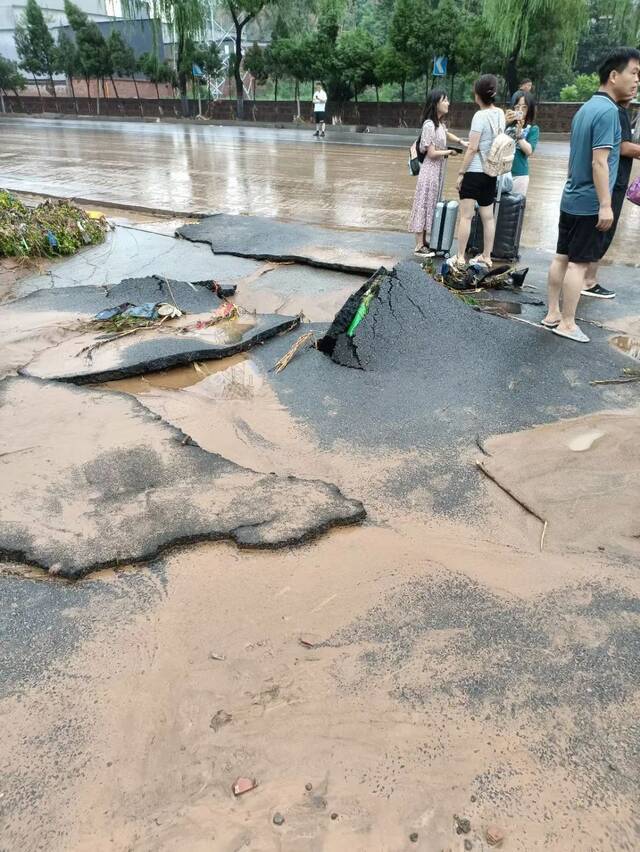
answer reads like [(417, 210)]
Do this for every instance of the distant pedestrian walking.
[(526, 133), (474, 183), (586, 212), (433, 144), (629, 151), (526, 86), (319, 109)]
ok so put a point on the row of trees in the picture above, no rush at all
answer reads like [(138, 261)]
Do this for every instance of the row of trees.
[(355, 44), (349, 44)]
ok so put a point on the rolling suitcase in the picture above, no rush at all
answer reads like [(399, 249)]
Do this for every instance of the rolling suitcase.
[(506, 245), (443, 227)]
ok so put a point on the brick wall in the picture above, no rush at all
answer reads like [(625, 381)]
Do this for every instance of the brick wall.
[(552, 117)]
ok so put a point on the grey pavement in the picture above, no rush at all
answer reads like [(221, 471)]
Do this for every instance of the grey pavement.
[(125, 494)]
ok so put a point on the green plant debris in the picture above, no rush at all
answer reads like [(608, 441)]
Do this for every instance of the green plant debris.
[(51, 229)]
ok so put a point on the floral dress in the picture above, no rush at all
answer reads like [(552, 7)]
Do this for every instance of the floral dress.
[(430, 179)]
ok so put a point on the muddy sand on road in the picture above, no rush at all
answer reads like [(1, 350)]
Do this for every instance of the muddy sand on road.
[(430, 663)]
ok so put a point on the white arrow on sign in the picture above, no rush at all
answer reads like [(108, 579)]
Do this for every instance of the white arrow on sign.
[(440, 66)]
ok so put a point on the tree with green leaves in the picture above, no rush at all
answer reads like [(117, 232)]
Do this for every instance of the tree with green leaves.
[(157, 72), (411, 33), (69, 62), (355, 55), (294, 59), (187, 20), (324, 63), (93, 53), (35, 45), (393, 67), (512, 23), (11, 80), (242, 13), (581, 90), (255, 62), (123, 61)]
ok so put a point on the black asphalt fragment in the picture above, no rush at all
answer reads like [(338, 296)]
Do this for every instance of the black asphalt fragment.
[(269, 239), (76, 495), (413, 323), (84, 357), (439, 375)]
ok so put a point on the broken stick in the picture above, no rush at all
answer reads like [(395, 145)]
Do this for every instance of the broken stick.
[(518, 501), (300, 343)]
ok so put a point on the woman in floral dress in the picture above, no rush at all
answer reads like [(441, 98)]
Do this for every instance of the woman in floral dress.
[(433, 143)]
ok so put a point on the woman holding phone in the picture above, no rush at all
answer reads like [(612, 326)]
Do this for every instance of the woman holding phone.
[(521, 122)]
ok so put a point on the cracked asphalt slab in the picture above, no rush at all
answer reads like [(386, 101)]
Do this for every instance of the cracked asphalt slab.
[(437, 379), (76, 497), (130, 252), (270, 239), (85, 356)]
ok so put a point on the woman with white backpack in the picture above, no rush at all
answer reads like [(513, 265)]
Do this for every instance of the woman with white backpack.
[(489, 155)]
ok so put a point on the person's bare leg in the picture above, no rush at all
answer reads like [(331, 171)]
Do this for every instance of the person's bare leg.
[(574, 282), (591, 278), (467, 209), (557, 272), (489, 229), (420, 239)]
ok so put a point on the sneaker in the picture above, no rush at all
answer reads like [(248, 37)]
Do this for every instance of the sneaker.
[(317, 133), (599, 292), (322, 134)]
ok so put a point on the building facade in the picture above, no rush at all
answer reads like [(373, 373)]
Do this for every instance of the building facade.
[(11, 12)]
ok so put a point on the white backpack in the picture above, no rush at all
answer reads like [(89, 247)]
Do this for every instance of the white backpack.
[(499, 160)]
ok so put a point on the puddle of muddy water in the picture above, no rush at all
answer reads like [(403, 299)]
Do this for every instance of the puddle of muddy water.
[(627, 345), (237, 381), (176, 378)]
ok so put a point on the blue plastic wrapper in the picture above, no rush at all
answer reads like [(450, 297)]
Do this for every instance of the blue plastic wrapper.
[(147, 311)]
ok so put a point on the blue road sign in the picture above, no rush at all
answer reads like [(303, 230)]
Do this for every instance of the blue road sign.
[(196, 70), (440, 66)]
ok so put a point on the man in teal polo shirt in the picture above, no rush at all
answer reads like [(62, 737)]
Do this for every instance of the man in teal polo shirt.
[(585, 210)]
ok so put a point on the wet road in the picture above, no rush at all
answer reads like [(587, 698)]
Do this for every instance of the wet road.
[(348, 180)]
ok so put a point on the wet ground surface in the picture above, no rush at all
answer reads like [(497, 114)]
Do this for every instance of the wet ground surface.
[(258, 171), (450, 667)]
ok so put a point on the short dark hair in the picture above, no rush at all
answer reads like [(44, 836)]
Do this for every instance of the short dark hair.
[(525, 81), (530, 101), (430, 111), (617, 60), (486, 88)]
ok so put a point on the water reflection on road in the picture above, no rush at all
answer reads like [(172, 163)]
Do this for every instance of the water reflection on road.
[(347, 183)]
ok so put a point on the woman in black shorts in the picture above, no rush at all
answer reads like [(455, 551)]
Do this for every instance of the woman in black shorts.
[(473, 184)]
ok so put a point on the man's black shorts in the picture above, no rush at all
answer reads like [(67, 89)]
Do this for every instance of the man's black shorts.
[(617, 200), (319, 116), (579, 239)]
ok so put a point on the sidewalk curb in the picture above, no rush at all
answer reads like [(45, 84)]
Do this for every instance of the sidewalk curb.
[(166, 212)]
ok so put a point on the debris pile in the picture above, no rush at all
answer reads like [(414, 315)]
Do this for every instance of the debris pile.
[(48, 230), (473, 276)]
